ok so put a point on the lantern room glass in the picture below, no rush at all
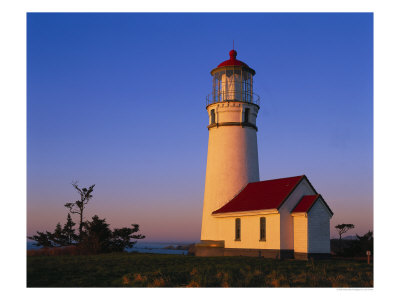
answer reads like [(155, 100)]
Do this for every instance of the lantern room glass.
[(234, 84)]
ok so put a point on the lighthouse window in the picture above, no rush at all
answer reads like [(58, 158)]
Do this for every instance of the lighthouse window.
[(212, 116), (247, 94), (262, 229), (237, 229), (246, 115)]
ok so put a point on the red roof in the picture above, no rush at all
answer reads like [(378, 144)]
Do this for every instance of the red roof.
[(232, 61), (269, 194), (307, 202)]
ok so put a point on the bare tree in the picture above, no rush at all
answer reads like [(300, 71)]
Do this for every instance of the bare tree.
[(341, 229), (78, 206)]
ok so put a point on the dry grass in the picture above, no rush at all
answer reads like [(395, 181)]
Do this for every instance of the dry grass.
[(193, 284), (156, 270)]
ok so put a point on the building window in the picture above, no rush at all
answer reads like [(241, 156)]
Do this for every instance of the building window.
[(237, 229), (213, 116), (246, 115), (262, 229)]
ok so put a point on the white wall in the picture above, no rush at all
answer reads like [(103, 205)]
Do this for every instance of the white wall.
[(232, 162), (250, 232), (300, 224), (318, 229), (287, 235)]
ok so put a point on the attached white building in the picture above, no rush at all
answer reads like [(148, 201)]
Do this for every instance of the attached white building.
[(277, 218)]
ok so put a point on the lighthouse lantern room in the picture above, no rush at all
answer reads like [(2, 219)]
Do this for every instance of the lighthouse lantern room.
[(232, 81)]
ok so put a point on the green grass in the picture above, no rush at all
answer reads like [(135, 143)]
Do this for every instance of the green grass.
[(150, 270)]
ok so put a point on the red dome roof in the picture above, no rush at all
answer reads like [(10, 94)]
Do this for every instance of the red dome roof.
[(234, 62)]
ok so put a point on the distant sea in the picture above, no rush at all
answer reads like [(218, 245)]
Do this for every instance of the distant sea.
[(143, 247)]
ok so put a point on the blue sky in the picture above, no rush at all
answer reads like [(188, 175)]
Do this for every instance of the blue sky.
[(119, 100)]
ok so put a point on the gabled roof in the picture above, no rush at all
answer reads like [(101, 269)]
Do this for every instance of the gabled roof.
[(269, 194), (307, 202)]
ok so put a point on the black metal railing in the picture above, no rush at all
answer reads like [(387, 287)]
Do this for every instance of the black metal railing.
[(241, 96)]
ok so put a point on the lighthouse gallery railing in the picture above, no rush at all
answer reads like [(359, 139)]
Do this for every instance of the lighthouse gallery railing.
[(240, 96)]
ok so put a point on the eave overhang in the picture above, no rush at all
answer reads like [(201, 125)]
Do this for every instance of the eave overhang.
[(246, 213)]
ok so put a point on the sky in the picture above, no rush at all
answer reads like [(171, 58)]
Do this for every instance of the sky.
[(118, 100)]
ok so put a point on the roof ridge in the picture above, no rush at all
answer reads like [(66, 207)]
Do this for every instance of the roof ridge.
[(293, 188), (282, 178), (316, 196), (262, 194)]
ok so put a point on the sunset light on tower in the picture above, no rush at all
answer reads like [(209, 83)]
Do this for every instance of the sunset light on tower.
[(232, 159), (268, 169), (278, 218)]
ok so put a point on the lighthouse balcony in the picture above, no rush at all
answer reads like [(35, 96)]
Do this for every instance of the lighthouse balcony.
[(233, 96)]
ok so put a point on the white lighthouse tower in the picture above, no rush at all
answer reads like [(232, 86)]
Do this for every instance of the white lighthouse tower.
[(232, 159)]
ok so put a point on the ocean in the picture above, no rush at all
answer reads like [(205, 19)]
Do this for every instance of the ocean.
[(143, 247)]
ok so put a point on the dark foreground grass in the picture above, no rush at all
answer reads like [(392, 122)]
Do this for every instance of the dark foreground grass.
[(159, 270)]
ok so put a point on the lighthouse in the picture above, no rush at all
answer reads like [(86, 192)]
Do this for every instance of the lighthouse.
[(276, 218), (232, 158)]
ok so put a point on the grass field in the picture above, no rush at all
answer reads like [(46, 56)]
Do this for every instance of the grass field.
[(159, 270)]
